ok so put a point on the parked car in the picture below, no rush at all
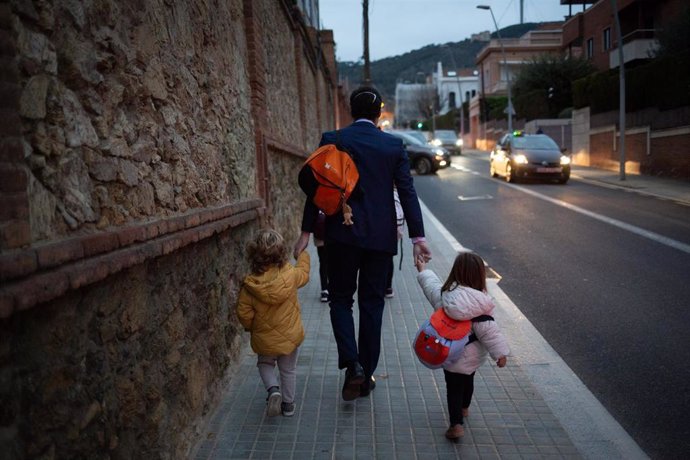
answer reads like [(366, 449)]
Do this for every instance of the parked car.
[(529, 156), (421, 135), (424, 158), (447, 139)]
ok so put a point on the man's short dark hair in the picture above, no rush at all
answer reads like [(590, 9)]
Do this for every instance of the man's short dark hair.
[(365, 102)]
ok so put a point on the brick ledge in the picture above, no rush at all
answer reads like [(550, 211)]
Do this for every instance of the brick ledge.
[(50, 270)]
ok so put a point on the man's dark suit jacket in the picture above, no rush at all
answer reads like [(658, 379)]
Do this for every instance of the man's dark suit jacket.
[(382, 162)]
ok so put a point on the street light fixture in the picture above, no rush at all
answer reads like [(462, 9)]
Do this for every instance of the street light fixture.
[(505, 63)]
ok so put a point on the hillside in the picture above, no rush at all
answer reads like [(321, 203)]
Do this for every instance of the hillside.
[(386, 72)]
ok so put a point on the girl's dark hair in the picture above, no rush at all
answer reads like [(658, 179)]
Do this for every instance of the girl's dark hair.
[(468, 270), (266, 250)]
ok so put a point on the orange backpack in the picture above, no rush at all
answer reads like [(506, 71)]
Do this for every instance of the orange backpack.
[(328, 177)]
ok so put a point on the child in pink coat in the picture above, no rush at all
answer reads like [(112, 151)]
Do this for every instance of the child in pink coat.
[(463, 297)]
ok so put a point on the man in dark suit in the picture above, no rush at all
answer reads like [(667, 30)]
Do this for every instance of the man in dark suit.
[(360, 254)]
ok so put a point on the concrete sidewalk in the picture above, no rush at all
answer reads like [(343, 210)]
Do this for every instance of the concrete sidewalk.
[(535, 407)]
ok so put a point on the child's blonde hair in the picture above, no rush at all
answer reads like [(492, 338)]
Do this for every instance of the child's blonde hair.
[(266, 250), (468, 270)]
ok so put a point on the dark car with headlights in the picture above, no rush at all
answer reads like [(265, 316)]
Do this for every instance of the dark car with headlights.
[(424, 158), (447, 139), (529, 156)]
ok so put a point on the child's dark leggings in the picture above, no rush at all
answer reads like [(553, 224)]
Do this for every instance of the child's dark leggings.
[(459, 389), (323, 266)]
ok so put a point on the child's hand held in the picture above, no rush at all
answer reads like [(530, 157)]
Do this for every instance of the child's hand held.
[(501, 362), (420, 263)]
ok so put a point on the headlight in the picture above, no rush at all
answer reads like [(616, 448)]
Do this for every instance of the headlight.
[(436, 142), (565, 160), (439, 157), (459, 142), (520, 159), (438, 152)]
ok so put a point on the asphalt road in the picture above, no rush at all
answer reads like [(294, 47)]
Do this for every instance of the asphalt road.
[(603, 274)]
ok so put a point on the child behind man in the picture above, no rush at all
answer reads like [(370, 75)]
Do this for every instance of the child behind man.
[(268, 307), (463, 297)]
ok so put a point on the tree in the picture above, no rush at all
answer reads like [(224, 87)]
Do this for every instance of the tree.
[(427, 100), (674, 38), (543, 87)]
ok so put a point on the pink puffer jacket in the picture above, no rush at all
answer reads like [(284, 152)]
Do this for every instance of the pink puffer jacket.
[(463, 303)]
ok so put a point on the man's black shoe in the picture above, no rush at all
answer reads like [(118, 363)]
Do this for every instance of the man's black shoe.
[(367, 387), (354, 377)]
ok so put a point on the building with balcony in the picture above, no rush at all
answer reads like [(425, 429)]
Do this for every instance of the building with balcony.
[(591, 33), (656, 136), (495, 70)]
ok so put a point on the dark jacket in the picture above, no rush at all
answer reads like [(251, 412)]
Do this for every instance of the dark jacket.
[(382, 162)]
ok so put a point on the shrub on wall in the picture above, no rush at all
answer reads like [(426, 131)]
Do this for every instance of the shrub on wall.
[(662, 83)]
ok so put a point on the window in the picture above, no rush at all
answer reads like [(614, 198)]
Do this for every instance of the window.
[(606, 38), (590, 48), (451, 100)]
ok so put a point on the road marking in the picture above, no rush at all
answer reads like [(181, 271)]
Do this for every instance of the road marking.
[(446, 234), (608, 220), (472, 198)]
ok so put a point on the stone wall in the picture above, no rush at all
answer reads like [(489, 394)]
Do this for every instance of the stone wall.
[(142, 144)]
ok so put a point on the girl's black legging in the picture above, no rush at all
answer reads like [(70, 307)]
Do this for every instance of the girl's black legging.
[(459, 390), (323, 266)]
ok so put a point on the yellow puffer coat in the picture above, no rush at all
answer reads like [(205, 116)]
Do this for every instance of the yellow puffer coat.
[(269, 309)]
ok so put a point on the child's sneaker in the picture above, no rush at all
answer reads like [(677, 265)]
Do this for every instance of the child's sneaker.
[(389, 293), (324, 296), (275, 400), (288, 409), (455, 432)]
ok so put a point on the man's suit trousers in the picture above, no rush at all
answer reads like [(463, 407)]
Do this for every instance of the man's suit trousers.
[(351, 269)]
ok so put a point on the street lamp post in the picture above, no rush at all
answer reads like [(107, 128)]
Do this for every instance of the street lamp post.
[(505, 63)]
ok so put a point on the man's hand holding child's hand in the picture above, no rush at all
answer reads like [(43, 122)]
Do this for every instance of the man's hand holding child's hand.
[(501, 362), (420, 263)]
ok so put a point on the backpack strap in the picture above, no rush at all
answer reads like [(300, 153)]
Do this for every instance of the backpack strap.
[(338, 145), (478, 319)]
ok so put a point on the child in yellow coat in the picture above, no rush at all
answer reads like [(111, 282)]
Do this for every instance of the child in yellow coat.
[(268, 307)]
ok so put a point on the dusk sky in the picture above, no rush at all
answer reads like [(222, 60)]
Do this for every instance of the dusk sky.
[(399, 26)]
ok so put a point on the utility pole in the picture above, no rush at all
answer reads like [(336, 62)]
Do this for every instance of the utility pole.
[(621, 90), (522, 11), (365, 22)]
